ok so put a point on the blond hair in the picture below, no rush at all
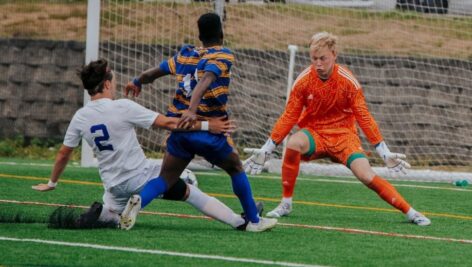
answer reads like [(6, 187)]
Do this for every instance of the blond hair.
[(323, 39)]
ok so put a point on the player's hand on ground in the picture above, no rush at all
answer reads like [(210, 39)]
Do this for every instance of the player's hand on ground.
[(396, 163), (42, 187), (133, 88), (221, 125), (187, 120)]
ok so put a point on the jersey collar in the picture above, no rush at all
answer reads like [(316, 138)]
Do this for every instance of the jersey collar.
[(99, 101)]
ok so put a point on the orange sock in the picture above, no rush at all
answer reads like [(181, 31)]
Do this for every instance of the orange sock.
[(290, 168), (388, 193)]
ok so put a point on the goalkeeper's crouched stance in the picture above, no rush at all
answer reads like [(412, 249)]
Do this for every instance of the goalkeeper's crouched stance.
[(326, 102)]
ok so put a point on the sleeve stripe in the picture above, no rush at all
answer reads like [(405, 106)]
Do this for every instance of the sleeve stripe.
[(300, 77), (220, 55), (171, 66), (187, 60), (350, 77)]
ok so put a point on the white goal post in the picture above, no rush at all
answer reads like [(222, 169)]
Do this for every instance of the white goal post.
[(87, 158)]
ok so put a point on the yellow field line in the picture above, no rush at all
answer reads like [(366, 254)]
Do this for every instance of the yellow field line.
[(314, 203), (276, 200), (336, 180), (47, 179)]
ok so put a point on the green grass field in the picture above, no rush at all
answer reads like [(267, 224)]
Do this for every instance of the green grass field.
[(336, 222)]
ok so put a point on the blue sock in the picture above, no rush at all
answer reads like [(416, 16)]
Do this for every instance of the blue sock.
[(152, 189), (242, 189)]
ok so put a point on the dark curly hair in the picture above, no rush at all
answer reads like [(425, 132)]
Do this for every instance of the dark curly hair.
[(210, 28), (94, 75)]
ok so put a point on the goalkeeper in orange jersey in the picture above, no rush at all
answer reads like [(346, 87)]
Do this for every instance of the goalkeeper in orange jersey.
[(326, 102)]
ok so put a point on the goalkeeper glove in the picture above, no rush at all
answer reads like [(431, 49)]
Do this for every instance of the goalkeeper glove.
[(395, 161), (255, 163)]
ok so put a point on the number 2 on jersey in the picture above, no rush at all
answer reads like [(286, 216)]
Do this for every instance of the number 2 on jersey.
[(101, 140)]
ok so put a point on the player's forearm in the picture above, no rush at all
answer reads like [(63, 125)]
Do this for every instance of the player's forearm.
[(200, 90), (281, 129), (170, 123), (366, 121), (371, 131), (62, 159), (284, 124), (150, 75)]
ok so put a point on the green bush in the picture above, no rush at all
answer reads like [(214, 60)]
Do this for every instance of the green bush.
[(34, 148)]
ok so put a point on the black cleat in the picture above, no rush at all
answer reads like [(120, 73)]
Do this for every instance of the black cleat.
[(260, 209), (89, 219)]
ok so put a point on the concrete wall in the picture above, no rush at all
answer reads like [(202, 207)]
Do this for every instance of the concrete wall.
[(38, 87), (422, 105)]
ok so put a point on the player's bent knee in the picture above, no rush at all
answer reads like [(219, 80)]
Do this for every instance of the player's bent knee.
[(232, 164), (362, 170), (176, 192), (299, 142)]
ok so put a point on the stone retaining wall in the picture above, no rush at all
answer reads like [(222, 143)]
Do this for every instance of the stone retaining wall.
[(422, 105)]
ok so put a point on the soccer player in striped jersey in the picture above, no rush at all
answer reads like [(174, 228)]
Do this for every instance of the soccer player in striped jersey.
[(108, 126), (326, 102), (203, 75)]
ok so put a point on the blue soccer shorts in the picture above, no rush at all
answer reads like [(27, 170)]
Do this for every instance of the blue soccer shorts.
[(185, 145)]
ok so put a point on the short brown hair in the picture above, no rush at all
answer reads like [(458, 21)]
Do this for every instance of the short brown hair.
[(94, 75)]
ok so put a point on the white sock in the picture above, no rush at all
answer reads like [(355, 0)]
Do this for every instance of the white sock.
[(287, 200), (411, 212), (213, 208), (107, 216)]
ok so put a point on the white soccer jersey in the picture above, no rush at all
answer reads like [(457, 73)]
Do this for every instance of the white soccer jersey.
[(108, 126)]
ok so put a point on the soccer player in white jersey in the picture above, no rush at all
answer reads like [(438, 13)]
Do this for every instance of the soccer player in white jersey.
[(108, 126)]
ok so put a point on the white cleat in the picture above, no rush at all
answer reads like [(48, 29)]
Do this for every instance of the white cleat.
[(420, 220), (263, 225), (283, 209), (129, 214)]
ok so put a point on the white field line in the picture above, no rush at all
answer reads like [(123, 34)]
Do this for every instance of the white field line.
[(273, 177), (305, 226), (158, 252), (360, 231)]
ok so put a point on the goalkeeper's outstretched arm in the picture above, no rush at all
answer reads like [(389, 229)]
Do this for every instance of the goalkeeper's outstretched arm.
[(395, 162), (285, 123)]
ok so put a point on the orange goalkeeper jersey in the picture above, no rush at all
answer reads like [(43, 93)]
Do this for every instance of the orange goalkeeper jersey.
[(328, 107)]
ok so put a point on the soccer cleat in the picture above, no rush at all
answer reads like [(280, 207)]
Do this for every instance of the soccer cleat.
[(283, 209), (260, 209), (263, 225), (129, 214), (420, 220), (89, 219)]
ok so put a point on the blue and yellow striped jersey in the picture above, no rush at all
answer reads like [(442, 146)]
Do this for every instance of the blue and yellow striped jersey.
[(190, 64)]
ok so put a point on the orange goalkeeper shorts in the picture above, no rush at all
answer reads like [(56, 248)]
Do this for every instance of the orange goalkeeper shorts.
[(339, 147)]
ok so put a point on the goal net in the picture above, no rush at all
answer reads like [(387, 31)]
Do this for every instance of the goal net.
[(414, 63)]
